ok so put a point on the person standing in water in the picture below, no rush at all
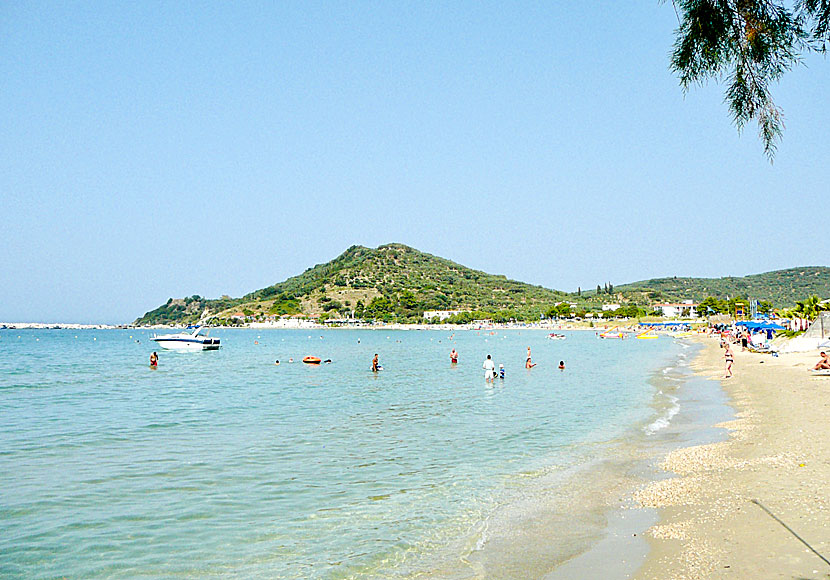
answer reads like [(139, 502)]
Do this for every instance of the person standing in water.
[(489, 369), (453, 357), (375, 364), (154, 360), (501, 370), (561, 365), (529, 364)]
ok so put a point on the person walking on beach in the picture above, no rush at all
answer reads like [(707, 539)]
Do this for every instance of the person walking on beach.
[(528, 363), (154, 360), (453, 357), (730, 358), (375, 364), (489, 369)]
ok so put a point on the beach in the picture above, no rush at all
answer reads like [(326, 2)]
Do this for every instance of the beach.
[(716, 512)]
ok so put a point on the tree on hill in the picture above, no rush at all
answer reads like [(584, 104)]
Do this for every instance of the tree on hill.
[(561, 310), (750, 44)]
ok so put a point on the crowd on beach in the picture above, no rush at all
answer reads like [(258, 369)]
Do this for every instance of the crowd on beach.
[(737, 335), (758, 341)]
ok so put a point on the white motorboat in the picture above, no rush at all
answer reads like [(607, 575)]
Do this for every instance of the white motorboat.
[(195, 340)]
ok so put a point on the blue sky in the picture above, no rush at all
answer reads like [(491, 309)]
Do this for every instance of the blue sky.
[(161, 150)]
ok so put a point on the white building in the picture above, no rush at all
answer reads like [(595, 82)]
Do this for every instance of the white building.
[(441, 314), (606, 307), (677, 310)]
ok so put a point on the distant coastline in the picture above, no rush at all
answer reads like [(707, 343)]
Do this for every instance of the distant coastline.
[(309, 325), (58, 326)]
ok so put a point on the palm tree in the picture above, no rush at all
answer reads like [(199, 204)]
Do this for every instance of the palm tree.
[(809, 308)]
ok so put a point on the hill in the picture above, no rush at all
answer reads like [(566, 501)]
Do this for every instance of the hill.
[(392, 282), (782, 287), (398, 283)]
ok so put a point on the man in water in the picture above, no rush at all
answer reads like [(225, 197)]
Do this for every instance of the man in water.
[(453, 357), (489, 369), (375, 364), (154, 360)]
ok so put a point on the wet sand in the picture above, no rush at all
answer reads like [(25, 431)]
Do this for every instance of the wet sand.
[(777, 454)]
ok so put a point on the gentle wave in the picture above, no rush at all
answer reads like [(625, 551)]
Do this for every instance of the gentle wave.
[(665, 419)]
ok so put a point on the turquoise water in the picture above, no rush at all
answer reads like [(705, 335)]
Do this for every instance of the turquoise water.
[(222, 464)]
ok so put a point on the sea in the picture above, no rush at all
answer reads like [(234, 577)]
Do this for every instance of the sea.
[(224, 464)]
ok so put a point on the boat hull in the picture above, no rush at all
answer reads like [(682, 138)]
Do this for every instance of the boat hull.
[(188, 344)]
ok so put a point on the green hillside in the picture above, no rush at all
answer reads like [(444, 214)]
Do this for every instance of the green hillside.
[(398, 283), (392, 283), (782, 287)]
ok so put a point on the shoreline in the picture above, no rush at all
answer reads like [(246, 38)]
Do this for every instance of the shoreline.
[(685, 404), (775, 453)]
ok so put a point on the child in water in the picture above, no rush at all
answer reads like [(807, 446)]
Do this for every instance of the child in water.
[(501, 370)]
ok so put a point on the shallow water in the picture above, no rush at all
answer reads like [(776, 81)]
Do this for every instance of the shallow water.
[(224, 464)]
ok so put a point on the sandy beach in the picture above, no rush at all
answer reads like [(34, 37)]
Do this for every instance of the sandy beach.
[(777, 456)]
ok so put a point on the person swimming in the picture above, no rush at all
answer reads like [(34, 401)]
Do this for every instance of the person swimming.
[(528, 363), (277, 362), (561, 365)]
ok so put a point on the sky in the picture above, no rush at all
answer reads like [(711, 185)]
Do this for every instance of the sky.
[(155, 150)]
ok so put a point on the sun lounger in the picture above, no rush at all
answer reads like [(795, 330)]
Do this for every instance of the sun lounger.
[(761, 348)]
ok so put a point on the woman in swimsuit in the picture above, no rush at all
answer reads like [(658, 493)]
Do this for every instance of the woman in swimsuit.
[(729, 357), (528, 364)]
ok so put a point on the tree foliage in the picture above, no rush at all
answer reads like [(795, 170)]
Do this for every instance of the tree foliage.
[(750, 44), (809, 308)]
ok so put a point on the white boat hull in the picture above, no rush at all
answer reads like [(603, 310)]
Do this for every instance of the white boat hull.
[(195, 340), (178, 344)]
